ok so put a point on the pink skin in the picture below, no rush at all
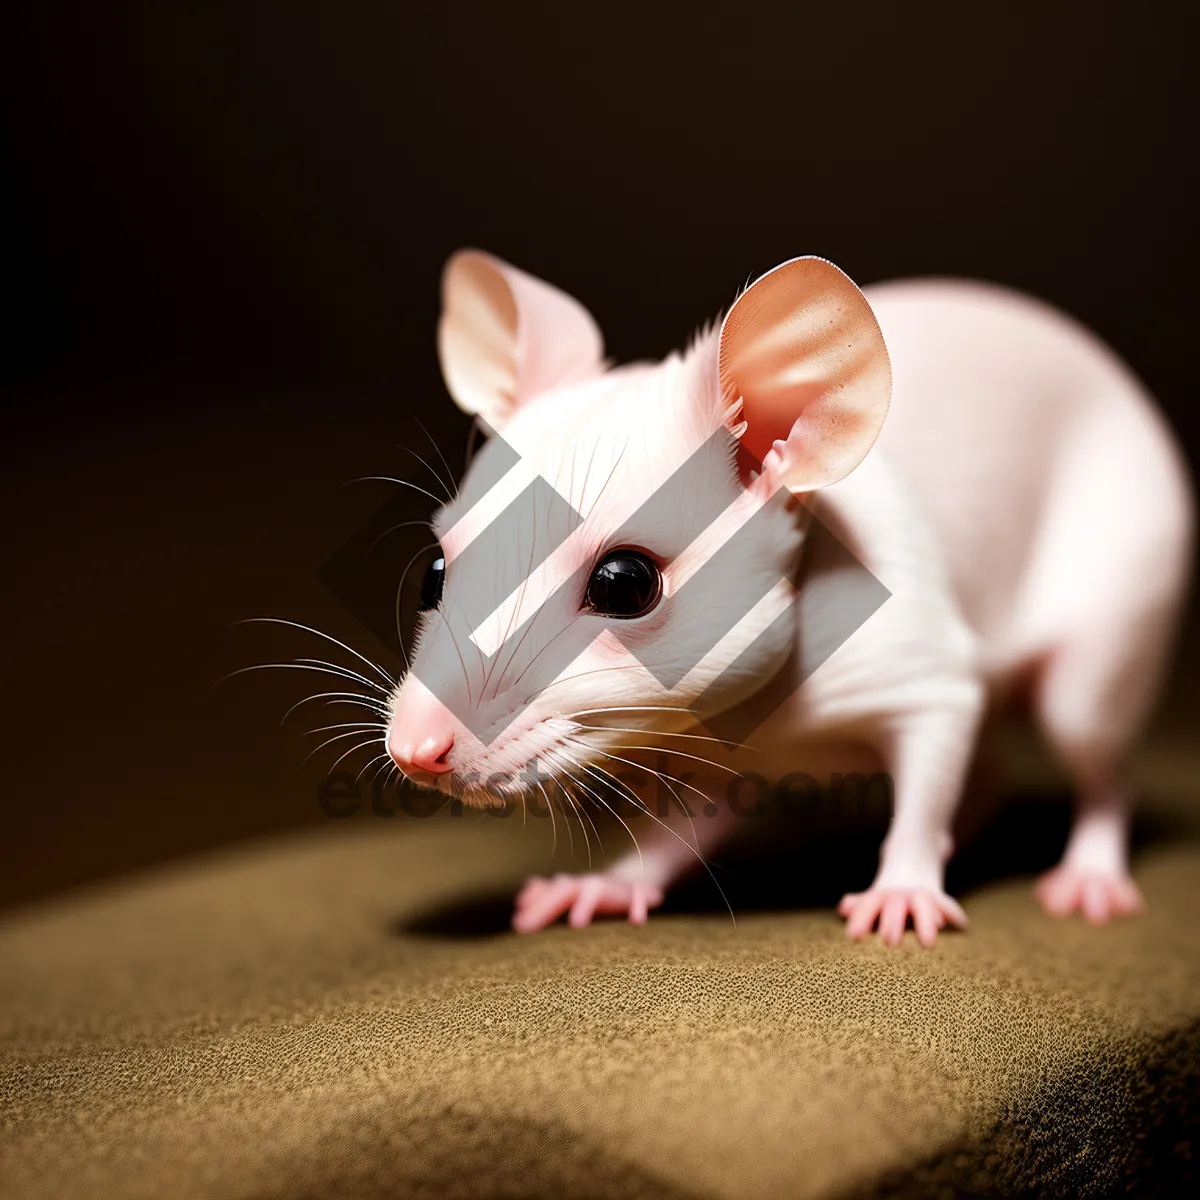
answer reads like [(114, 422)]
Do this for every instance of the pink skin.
[(1022, 502), (582, 897), (632, 886), (893, 908), (1098, 895), (1093, 878)]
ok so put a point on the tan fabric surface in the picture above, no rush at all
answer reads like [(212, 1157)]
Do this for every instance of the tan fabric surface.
[(333, 1014)]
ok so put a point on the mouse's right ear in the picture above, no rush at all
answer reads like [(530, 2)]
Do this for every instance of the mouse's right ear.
[(505, 337), (805, 368)]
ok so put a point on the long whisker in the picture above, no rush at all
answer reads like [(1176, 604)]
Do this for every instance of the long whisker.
[(586, 475), (567, 818), (377, 759), (461, 661), (305, 665), (594, 671), (667, 778), (402, 482), (520, 601), (317, 633), (392, 529), (528, 627), (378, 707), (708, 762), (512, 616), (696, 737), (693, 848), (346, 754), (344, 725), (604, 485), (553, 823), (425, 463), (546, 646), (320, 662), (438, 452), (342, 698), (571, 480), (578, 811), (338, 738), (388, 769), (604, 804), (588, 712), (582, 809)]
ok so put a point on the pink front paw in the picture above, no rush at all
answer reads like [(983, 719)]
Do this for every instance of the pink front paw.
[(1099, 894), (542, 901), (930, 909)]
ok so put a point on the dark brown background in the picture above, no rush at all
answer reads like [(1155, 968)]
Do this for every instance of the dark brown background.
[(220, 239)]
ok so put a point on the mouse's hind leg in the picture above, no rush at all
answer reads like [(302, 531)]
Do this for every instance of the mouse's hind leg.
[(1091, 700), (1104, 595)]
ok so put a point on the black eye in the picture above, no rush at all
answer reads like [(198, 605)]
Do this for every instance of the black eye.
[(625, 583), (432, 584)]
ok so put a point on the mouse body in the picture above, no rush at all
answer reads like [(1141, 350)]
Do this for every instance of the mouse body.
[(628, 573)]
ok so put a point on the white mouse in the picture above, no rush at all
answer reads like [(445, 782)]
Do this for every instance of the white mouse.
[(622, 572)]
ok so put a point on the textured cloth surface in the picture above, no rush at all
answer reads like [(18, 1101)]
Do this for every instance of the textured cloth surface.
[(340, 1013)]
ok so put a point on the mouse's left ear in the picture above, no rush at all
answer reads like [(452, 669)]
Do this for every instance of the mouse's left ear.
[(505, 337), (802, 351)]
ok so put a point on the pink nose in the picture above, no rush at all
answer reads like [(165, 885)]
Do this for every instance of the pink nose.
[(428, 752), (422, 731)]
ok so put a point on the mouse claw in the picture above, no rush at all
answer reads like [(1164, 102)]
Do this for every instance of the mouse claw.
[(890, 909), (581, 898), (1099, 895)]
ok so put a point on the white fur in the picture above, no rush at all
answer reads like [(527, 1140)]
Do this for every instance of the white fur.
[(1024, 505)]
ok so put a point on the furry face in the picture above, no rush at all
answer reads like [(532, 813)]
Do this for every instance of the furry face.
[(518, 660), (650, 471)]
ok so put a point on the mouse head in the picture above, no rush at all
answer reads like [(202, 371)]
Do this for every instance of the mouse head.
[(619, 559)]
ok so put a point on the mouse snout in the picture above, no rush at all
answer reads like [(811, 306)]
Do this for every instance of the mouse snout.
[(422, 733), (428, 753)]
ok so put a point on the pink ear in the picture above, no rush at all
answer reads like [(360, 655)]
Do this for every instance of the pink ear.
[(505, 337), (803, 353)]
